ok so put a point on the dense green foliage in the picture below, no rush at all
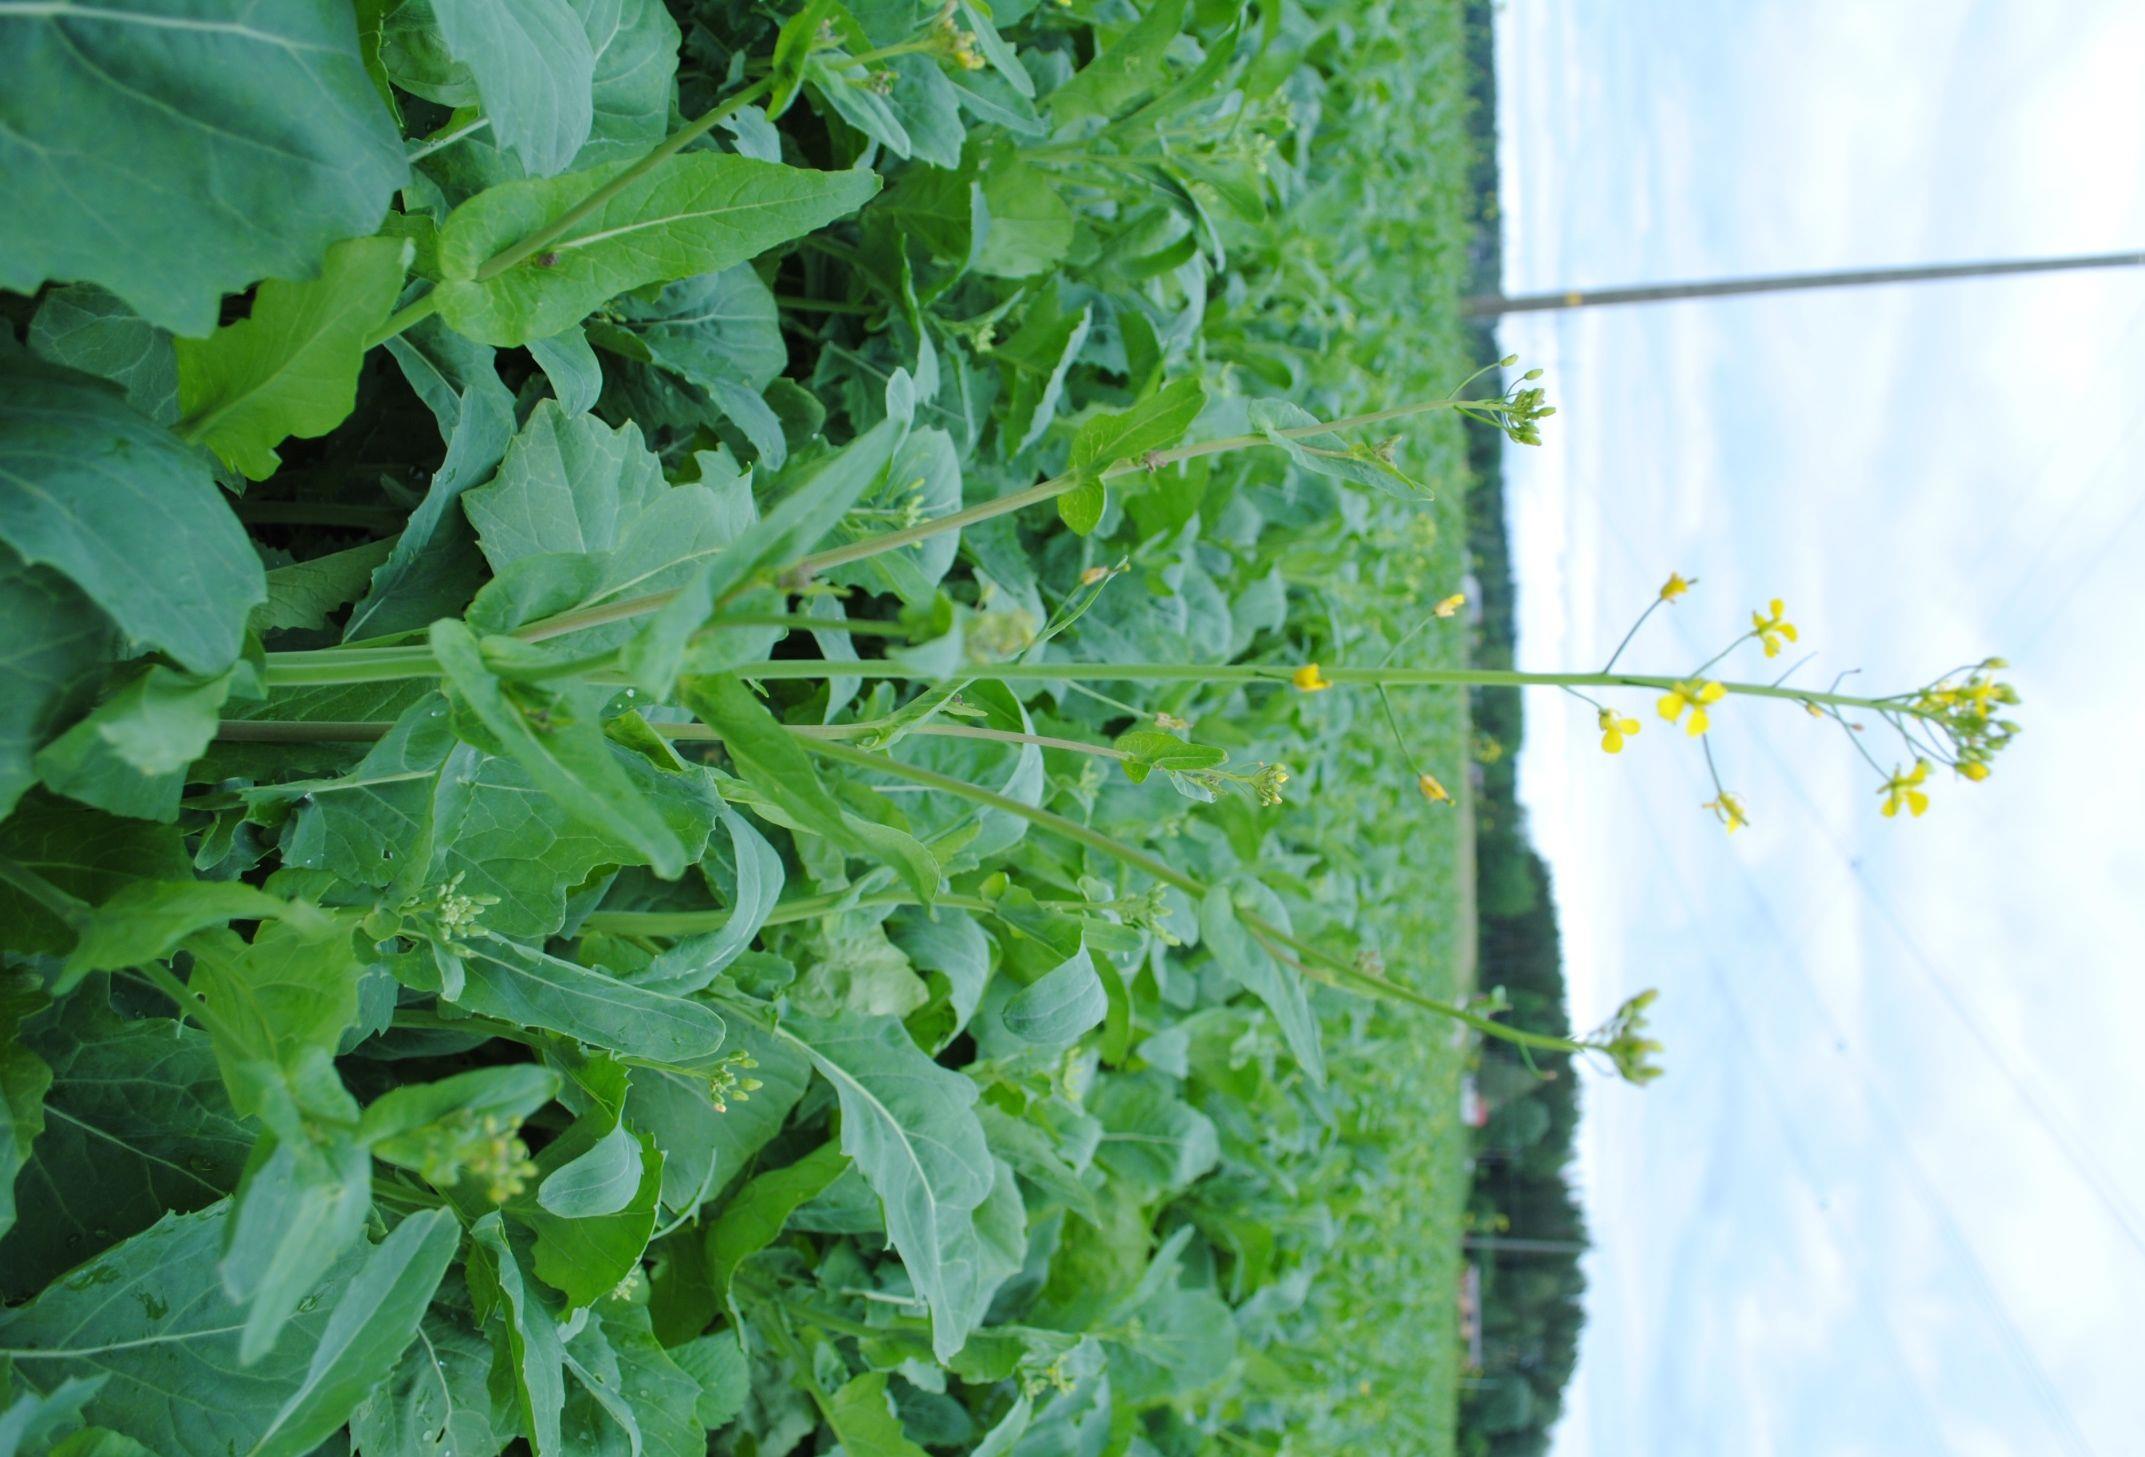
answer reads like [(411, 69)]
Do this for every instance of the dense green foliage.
[(544, 903)]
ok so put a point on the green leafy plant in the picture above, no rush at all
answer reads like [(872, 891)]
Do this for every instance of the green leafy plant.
[(655, 650)]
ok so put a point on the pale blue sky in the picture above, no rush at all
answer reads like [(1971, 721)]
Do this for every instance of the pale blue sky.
[(1845, 1221)]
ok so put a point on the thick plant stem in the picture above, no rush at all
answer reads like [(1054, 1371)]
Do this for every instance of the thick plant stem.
[(360, 731), (377, 665)]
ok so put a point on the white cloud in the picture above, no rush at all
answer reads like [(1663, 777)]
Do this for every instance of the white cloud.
[(1924, 475)]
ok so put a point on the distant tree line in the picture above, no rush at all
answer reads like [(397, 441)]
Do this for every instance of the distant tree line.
[(1531, 1301)]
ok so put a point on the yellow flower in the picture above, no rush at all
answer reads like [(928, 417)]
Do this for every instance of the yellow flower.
[(1905, 789), (1728, 809), (1432, 790), (1980, 692), (1975, 770), (1676, 586), (1696, 695), (1309, 679), (1615, 730), (1771, 630), (1451, 604)]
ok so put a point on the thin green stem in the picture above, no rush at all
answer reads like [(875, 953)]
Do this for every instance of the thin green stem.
[(379, 665), (826, 306), (785, 913), (1314, 962), (1634, 632), (416, 311)]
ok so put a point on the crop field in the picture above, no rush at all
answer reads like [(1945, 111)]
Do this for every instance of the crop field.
[(685, 762)]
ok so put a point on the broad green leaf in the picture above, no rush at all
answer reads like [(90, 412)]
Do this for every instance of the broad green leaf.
[(862, 1415), (148, 919), (599, 1181), (115, 503), (704, 1150), (1127, 68), (509, 1093), (533, 68), (586, 1258), (150, 1316), (1251, 965), (87, 855), (1151, 749), (249, 134), (753, 1217), (288, 992), (937, 213), (531, 988), (698, 212), (713, 326), (56, 645), (422, 809), (129, 756), (719, 1367), (301, 1205), (36, 1422), (434, 566), (1031, 227), (645, 1379), (1155, 423), (534, 1356), (434, 1403), (636, 46), (136, 1122), (1174, 1344), (568, 483), (1038, 358), (1055, 1010), (798, 521), (978, 1255), (563, 751), (910, 1127), (302, 594), (372, 1323), (767, 756), (608, 1202), (291, 366), (83, 327), (1152, 1139), (855, 968), (750, 877), (25, 1079), (571, 365)]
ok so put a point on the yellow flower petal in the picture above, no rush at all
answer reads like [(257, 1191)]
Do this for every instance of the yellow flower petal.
[(1698, 723), (1672, 706), (1309, 679), (1712, 693)]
